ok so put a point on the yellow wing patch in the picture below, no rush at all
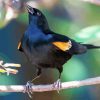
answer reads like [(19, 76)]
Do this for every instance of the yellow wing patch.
[(63, 45), (19, 45)]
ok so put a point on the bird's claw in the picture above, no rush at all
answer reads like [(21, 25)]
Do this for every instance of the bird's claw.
[(28, 89), (57, 85)]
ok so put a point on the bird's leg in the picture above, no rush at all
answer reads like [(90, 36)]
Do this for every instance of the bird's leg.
[(57, 84), (39, 70), (28, 88)]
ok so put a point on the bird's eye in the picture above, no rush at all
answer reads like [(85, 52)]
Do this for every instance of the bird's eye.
[(38, 13)]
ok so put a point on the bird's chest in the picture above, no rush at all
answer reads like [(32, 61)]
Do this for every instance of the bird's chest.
[(46, 56), (35, 35), (39, 54)]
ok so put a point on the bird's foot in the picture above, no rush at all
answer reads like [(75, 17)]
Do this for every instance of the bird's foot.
[(57, 85), (28, 89)]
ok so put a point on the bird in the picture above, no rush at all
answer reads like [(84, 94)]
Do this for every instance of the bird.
[(45, 48)]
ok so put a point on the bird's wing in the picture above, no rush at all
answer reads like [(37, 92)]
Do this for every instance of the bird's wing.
[(20, 47), (61, 42), (64, 46)]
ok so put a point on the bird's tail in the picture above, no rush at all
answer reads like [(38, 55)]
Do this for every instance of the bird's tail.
[(90, 46)]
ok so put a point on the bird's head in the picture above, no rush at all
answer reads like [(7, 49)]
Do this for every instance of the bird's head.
[(38, 18)]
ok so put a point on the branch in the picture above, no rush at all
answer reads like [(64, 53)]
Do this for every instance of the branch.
[(43, 88), (8, 67)]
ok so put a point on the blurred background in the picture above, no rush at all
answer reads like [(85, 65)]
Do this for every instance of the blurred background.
[(78, 19)]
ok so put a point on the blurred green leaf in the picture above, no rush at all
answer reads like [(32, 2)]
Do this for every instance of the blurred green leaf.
[(23, 18), (2, 24), (74, 70), (90, 34)]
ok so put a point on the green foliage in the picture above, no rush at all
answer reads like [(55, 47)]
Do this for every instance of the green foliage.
[(23, 18), (89, 34), (74, 70)]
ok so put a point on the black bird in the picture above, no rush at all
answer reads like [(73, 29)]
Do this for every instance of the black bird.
[(45, 48)]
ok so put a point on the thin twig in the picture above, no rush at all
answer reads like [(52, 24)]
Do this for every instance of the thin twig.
[(8, 67), (43, 88)]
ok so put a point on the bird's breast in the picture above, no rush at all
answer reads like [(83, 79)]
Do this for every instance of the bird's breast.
[(45, 55)]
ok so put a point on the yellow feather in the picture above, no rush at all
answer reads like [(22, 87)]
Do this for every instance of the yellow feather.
[(63, 45), (19, 45)]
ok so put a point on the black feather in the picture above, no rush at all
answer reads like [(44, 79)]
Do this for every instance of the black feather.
[(90, 46)]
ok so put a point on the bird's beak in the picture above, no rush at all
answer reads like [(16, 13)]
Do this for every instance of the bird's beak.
[(30, 9)]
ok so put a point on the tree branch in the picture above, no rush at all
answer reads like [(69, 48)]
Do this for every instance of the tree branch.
[(43, 88), (8, 67)]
